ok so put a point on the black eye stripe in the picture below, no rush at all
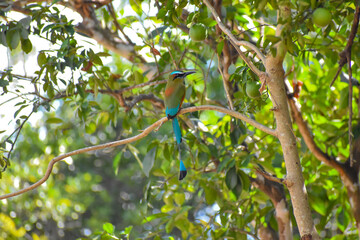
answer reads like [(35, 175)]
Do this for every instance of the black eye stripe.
[(179, 75)]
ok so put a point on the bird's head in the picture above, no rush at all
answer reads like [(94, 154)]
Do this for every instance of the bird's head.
[(179, 74)]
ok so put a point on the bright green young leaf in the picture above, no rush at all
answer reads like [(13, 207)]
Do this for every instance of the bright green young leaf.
[(109, 228)]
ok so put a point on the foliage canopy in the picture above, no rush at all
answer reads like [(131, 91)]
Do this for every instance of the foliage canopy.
[(101, 79)]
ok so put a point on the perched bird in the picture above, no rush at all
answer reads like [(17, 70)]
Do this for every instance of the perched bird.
[(174, 97)]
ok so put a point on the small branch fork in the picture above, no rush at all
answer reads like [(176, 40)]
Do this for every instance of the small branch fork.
[(345, 56), (270, 177), (143, 134), (236, 43)]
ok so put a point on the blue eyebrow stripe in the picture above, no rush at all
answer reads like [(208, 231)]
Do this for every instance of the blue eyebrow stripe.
[(176, 72)]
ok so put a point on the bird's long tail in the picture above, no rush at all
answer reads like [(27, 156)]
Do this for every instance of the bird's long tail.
[(183, 171), (177, 132)]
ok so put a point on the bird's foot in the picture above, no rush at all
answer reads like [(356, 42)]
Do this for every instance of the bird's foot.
[(169, 117)]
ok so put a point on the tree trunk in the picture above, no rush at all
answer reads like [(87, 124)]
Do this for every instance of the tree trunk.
[(294, 179)]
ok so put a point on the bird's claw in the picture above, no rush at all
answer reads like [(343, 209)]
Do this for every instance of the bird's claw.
[(169, 117)]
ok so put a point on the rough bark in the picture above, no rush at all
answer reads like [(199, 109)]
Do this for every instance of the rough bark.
[(266, 233), (295, 180), (275, 191)]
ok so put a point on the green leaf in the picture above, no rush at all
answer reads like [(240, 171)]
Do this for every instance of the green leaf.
[(179, 198), (90, 128), (231, 178), (97, 60), (127, 231), (54, 120), (210, 194), (103, 54), (244, 180), (343, 219), (25, 22), (148, 162), (3, 83), (154, 216), (19, 110), (238, 189), (41, 59), (116, 162), (3, 38), (208, 22), (48, 27), (344, 98), (80, 90), (272, 38), (157, 31), (136, 6), (162, 12), (50, 90), (170, 225), (26, 45), (220, 47), (13, 38), (109, 228)]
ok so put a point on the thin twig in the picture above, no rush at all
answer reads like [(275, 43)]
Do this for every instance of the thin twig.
[(182, 56), (143, 134), (116, 23), (350, 110), (205, 79), (149, 83), (18, 132), (172, 58), (225, 85), (236, 43), (270, 177), (244, 232), (344, 54), (148, 97)]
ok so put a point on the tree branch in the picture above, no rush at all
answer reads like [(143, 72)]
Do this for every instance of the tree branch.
[(344, 54), (116, 23), (149, 83), (275, 191), (244, 232), (309, 141), (269, 177), (143, 134), (226, 85), (349, 174), (148, 97), (236, 42)]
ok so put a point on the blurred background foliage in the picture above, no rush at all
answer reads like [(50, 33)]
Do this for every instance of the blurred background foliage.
[(132, 191)]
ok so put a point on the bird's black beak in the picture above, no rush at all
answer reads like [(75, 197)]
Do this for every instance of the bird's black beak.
[(188, 73)]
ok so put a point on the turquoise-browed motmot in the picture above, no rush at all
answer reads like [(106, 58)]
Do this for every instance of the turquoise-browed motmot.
[(174, 97)]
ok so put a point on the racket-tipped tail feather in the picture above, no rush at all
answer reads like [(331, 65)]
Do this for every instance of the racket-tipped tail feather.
[(183, 170)]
